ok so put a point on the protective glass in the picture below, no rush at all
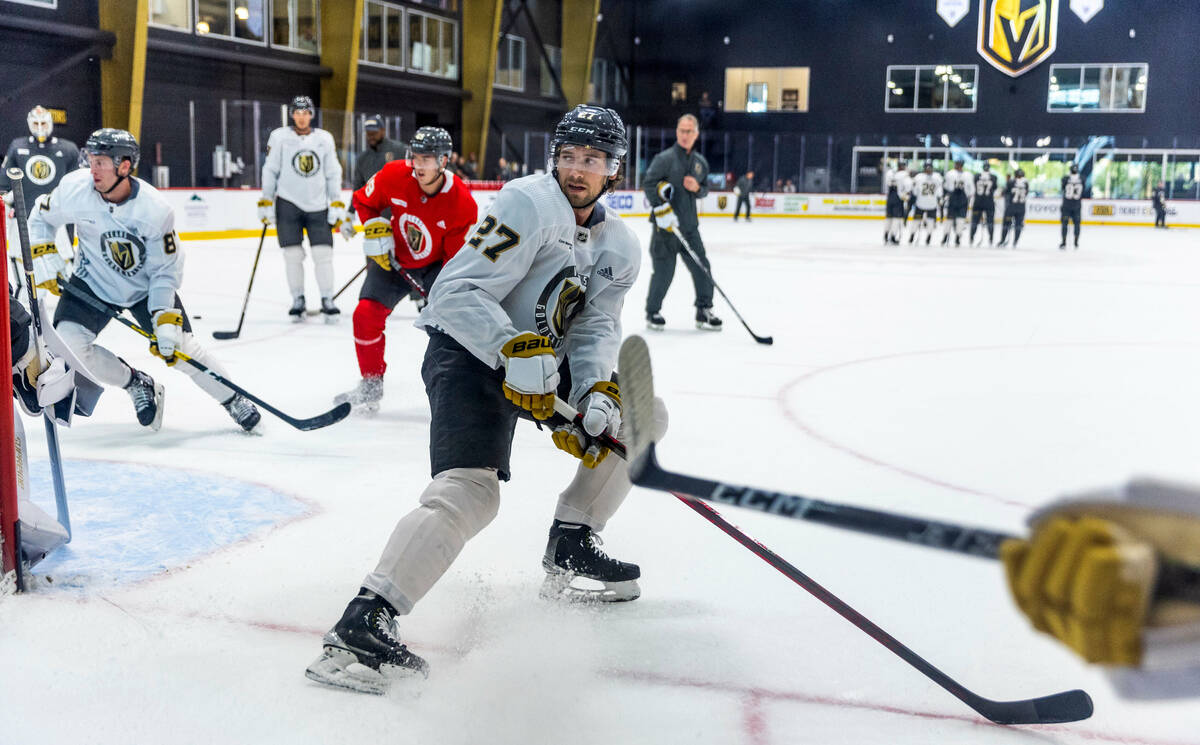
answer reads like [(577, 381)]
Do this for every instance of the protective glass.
[(587, 159), (426, 160), (41, 124)]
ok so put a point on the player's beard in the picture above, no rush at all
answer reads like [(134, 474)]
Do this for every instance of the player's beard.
[(579, 199)]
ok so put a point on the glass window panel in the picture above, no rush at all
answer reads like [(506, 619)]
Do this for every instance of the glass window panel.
[(281, 22), (756, 97), (927, 82), (393, 51), (518, 64), (249, 21), (501, 77), (901, 90), (547, 80), (307, 15), (442, 37), (1089, 89), (212, 17), (373, 34), (418, 50), (173, 13)]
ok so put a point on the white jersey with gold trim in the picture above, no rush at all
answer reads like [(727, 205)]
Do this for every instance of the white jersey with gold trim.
[(527, 267), (127, 251), (928, 189), (302, 169)]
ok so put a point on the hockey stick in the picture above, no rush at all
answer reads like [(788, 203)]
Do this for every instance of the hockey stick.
[(1068, 706), (695, 258), (336, 295), (17, 178), (336, 414), (246, 302)]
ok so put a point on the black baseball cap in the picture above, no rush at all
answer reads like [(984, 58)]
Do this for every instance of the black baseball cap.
[(373, 122)]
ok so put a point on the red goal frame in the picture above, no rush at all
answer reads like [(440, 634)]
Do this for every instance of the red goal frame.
[(8, 459)]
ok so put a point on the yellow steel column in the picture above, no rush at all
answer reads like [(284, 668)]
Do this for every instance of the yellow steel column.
[(341, 43), (480, 35), (578, 47), (123, 78)]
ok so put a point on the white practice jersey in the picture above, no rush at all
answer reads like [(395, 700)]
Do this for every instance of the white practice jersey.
[(127, 252), (956, 179), (898, 181), (527, 267), (302, 169), (928, 188)]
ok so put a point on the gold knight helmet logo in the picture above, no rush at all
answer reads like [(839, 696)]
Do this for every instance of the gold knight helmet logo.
[(1017, 35), (122, 254)]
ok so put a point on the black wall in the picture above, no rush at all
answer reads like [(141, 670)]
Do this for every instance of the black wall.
[(845, 45)]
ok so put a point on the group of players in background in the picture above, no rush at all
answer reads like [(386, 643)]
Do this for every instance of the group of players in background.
[(930, 198)]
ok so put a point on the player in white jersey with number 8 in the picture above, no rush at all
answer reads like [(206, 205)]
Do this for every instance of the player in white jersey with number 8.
[(528, 309), (129, 258)]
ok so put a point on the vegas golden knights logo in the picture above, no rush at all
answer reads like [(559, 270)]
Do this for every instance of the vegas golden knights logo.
[(1017, 35), (122, 254), (40, 170), (415, 238), (306, 162), (722, 201), (568, 306)]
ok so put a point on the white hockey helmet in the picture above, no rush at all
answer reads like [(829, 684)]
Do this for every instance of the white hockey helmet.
[(41, 123)]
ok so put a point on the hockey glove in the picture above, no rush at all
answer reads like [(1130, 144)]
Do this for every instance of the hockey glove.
[(665, 190), (336, 213), (347, 228), (378, 242), (48, 267), (601, 409), (665, 217), (168, 333), (530, 374), (266, 211)]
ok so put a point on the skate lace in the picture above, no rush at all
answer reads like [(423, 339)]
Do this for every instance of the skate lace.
[(593, 543), (141, 393), (239, 407), (381, 623)]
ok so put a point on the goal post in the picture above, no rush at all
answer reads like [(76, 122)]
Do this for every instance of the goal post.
[(9, 553)]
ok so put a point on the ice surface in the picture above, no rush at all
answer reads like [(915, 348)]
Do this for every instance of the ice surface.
[(966, 384)]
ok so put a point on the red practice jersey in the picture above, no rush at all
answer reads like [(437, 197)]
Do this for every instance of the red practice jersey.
[(426, 229)]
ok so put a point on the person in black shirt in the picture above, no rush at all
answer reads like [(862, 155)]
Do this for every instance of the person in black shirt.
[(1160, 205), (1016, 191), (1072, 204), (984, 203)]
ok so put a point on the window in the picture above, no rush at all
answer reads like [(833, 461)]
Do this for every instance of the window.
[(547, 80), (52, 4), (171, 13), (766, 89), (510, 63), (756, 97), (1113, 88), (238, 19), (926, 88), (433, 45), (294, 24)]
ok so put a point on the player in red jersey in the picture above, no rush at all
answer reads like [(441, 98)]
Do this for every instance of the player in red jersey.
[(431, 214)]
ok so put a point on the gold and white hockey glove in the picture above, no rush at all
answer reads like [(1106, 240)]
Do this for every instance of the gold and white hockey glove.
[(336, 213), (346, 228), (1088, 573), (601, 409), (665, 217), (266, 211), (378, 242), (530, 374), (48, 267), (168, 333)]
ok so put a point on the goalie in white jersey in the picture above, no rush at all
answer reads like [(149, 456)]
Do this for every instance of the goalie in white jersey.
[(540, 283), (302, 193), (129, 258), (927, 191)]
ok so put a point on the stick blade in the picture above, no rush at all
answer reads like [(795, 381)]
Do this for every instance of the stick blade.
[(637, 392), (333, 416), (768, 340), (1058, 708), (226, 334)]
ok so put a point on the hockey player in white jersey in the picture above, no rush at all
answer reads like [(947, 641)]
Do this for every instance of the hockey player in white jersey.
[(959, 188), (302, 193), (529, 309), (927, 190), (128, 258), (898, 186)]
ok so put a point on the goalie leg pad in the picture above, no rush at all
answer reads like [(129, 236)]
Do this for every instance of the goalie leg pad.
[(456, 505)]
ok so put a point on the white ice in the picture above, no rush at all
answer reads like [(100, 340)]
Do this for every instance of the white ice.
[(968, 385)]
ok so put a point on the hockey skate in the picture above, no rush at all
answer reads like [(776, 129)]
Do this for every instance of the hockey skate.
[(297, 310), (365, 396), (655, 321), (573, 552), (362, 652), (147, 399), (706, 321), (243, 412), (330, 311)]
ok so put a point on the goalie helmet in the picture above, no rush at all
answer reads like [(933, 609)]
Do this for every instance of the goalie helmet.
[(41, 123), (115, 143), (592, 126), (431, 141), (301, 103)]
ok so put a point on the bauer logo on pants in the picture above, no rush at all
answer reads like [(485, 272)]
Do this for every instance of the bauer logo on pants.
[(1017, 35), (306, 162)]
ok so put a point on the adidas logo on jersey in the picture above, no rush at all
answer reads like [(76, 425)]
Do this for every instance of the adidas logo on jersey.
[(441, 224), (607, 273)]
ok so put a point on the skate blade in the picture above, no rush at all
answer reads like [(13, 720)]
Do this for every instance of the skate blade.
[(558, 587), (705, 327), (298, 319), (655, 327), (160, 398), (341, 669), (332, 318)]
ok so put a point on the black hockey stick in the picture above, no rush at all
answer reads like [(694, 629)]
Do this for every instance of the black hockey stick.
[(1068, 706), (17, 178), (246, 302), (336, 414), (695, 258)]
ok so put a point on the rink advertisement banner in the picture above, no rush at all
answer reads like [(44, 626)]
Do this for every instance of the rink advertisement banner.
[(229, 213)]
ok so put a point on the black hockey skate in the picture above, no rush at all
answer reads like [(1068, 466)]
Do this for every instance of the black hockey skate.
[(362, 652), (297, 310), (655, 321), (329, 310), (706, 321), (365, 396), (243, 412), (147, 399), (26, 394), (572, 552)]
